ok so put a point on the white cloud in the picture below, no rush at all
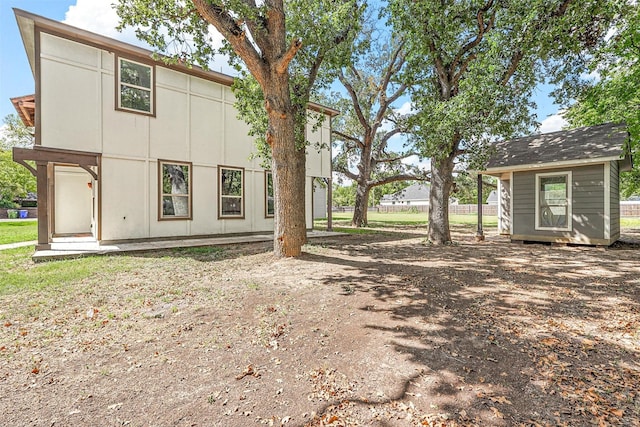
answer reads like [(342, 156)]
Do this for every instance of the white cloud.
[(553, 123), (424, 164), (406, 108), (100, 17)]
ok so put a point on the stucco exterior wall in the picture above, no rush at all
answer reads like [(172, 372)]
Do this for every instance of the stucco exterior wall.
[(195, 121), (588, 200)]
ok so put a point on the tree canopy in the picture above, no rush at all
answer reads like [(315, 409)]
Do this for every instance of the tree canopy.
[(369, 121), (473, 66), (615, 96), (15, 180), (282, 45)]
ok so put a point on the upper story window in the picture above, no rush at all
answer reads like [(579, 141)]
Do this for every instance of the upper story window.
[(268, 193), (553, 201), (231, 192), (175, 190), (135, 89)]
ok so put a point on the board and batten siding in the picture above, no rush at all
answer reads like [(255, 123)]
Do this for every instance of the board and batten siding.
[(614, 201), (587, 206), (195, 122)]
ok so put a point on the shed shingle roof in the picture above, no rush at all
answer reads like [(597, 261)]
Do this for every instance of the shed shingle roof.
[(575, 145)]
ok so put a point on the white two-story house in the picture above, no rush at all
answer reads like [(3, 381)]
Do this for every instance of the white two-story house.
[(130, 148)]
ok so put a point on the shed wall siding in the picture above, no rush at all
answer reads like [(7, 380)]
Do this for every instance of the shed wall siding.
[(615, 201), (195, 121), (587, 204)]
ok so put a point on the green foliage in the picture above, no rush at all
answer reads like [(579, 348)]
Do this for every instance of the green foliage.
[(369, 119), (15, 180), (344, 195), (466, 187), (616, 96), (476, 64), (328, 30), (14, 133), (473, 66)]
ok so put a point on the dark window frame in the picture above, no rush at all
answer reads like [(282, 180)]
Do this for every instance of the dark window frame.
[(119, 83), (221, 214), (267, 214), (161, 195)]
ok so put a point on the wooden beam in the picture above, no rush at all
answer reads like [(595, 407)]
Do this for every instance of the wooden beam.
[(480, 232), (55, 155)]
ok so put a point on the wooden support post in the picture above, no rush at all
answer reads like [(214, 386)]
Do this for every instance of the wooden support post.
[(43, 206), (480, 232), (329, 182)]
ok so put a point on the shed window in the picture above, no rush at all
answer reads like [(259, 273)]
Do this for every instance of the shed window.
[(231, 192), (135, 86), (175, 190), (268, 192), (553, 202)]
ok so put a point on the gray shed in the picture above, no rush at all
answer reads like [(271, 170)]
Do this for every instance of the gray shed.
[(562, 186)]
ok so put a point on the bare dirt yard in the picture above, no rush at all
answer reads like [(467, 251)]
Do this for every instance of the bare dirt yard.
[(363, 330)]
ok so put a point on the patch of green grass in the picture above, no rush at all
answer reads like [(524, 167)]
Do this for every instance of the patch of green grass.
[(199, 250), (18, 231), (630, 222), (390, 219), (19, 273)]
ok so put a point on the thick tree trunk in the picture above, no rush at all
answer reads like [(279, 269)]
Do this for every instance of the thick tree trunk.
[(362, 188), (441, 184), (288, 168), (361, 205)]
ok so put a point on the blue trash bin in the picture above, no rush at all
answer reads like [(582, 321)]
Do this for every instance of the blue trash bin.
[(23, 213)]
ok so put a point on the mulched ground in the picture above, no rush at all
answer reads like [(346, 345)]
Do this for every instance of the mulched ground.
[(362, 330)]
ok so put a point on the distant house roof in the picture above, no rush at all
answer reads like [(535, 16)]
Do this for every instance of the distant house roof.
[(493, 198), (416, 191), (568, 147)]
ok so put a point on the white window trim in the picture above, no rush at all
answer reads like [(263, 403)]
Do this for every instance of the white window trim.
[(569, 201), (221, 196), (150, 89)]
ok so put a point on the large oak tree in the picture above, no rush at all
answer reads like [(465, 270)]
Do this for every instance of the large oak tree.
[(267, 37), (474, 64), (369, 121)]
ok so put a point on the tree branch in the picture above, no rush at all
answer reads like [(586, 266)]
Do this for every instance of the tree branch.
[(348, 137), (235, 35), (519, 54), (347, 173), (403, 177), (400, 157), (284, 61), (356, 102)]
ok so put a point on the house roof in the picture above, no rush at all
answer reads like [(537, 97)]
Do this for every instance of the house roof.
[(27, 22), (26, 108), (593, 144), (417, 191)]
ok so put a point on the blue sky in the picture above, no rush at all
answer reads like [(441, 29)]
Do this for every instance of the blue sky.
[(95, 15), (15, 75)]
